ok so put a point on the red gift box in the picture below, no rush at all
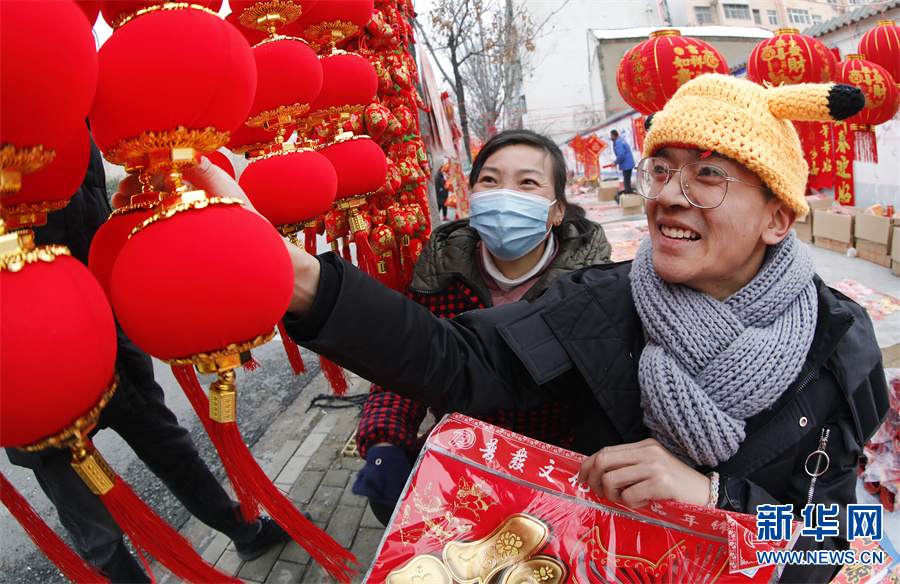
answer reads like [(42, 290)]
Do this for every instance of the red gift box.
[(488, 505)]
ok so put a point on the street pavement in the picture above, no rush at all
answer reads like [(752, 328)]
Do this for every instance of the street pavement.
[(300, 437)]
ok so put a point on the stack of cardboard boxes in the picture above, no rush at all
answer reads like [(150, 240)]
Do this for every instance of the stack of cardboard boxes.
[(608, 190), (804, 226), (631, 204), (874, 238)]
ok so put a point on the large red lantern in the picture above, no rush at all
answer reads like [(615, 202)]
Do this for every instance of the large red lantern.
[(349, 85), (881, 46), (332, 21), (48, 76), (651, 73), (882, 102), (132, 113), (789, 58)]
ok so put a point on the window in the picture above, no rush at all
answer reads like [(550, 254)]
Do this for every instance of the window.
[(832, 1), (737, 11), (798, 16), (703, 14), (816, 19), (773, 17), (756, 17)]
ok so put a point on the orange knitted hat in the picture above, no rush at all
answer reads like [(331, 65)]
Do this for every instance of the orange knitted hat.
[(751, 124)]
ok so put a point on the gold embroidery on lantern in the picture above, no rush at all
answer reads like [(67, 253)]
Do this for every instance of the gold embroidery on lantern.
[(15, 162), (154, 152)]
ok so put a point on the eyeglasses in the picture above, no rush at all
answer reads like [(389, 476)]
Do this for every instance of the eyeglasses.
[(703, 184)]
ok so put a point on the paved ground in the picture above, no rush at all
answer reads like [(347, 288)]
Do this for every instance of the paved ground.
[(301, 442)]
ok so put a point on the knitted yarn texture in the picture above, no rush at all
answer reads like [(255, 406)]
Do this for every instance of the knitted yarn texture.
[(710, 365)]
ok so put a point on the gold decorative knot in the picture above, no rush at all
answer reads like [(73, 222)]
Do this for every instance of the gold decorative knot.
[(174, 209), (17, 259)]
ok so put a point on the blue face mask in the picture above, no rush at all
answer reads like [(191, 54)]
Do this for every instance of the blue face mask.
[(510, 223)]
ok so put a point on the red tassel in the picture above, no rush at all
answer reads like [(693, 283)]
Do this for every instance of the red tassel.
[(309, 240), (365, 257), (250, 482), (148, 531), (346, 250), (865, 146), (251, 365), (335, 375), (69, 563), (292, 350)]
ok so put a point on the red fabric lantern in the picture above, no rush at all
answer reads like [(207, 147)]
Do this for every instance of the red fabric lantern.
[(252, 35), (250, 141), (91, 9), (141, 54), (267, 15), (48, 72), (290, 187), (115, 12), (110, 238), (360, 165), (790, 58), (349, 85), (52, 310), (51, 187), (881, 46), (333, 21), (223, 162), (882, 102), (289, 78), (155, 284), (651, 73)]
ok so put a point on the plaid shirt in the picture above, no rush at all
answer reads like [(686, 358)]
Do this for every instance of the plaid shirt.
[(387, 417)]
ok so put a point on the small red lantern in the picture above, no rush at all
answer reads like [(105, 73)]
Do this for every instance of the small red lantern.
[(50, 188), (789, 58), (130, 112), (882, 102), (651, 72), (881, 46), (349, 85), (333, 21), (112, 235)]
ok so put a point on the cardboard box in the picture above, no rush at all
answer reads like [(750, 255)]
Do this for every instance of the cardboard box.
[(608, 190), (833, 244), (804, 230), (631, 204), (834, 226), (895, 251), (877, 253), (819, 203), (874, 228)]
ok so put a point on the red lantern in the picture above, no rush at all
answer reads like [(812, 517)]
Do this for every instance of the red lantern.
[(291, 187), (91, 9), (333, 21), (349, 85), (48, 75), (223, 162), (289, 78), (789, 58), (881, 46), (269, 15), (112, 235), (882, 102), (117, 12), (651, 73), (252, 35), (360, 165), (50, 188), (130, 105), (250, 141)]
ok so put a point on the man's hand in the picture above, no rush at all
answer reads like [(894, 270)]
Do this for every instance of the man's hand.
[(638, 473)]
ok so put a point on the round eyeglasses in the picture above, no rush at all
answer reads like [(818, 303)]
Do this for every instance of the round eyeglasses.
[(703, 184)]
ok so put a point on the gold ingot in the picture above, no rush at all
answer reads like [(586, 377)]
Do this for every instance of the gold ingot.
[(422, 569), (537, 570), (94, 471), (515, 540), (222, 403)]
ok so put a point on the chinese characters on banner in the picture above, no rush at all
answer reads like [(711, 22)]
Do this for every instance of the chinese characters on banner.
[(637, 126), (592, 157), (843, 163)]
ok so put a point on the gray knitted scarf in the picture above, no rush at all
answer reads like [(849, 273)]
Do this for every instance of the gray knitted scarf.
[(710, 365)]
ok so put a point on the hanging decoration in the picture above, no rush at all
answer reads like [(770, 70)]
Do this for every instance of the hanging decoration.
[(639, 131), (881, 46), (843, 163), (650, 73), (882, 102), (594, 146), (578, 146), (166, 133)]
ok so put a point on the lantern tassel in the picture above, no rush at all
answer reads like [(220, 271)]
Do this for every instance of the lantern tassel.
[(144, 527), (335, 375), (73, 567), (865, 146), (250, 479), (251, 365), (225, 437), (292, 350), (309, 240)]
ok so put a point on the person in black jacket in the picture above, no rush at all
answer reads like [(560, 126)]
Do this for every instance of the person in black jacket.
[(441, 192), (138, 413)]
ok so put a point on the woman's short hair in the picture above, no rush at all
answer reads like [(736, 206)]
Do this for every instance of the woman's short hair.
[(574, 213)]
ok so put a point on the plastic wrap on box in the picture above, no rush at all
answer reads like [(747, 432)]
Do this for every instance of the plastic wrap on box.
[(486, 505)]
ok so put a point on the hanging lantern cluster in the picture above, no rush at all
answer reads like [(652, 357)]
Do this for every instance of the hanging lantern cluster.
[(651, 72), (882, 102), (153, 253)]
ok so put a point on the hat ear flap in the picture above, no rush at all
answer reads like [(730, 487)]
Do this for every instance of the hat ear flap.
[(815, 102), (647, 121)]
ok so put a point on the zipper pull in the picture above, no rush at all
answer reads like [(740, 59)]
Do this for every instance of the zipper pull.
[(820, 456)]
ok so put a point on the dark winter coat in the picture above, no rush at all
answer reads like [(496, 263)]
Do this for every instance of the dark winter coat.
[(581, 341), (448, 282)]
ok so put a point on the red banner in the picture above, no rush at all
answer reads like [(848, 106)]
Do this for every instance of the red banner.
[(843, 163), (489, 505), (637, 126)]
